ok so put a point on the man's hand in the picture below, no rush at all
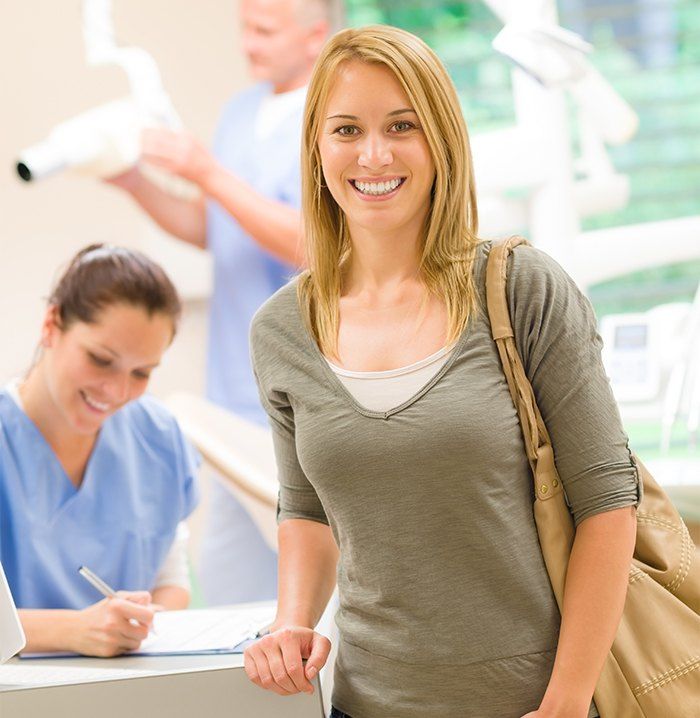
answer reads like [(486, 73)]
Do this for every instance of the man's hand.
[(178, 153)]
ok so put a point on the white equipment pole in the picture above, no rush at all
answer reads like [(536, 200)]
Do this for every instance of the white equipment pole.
[(541, 112)]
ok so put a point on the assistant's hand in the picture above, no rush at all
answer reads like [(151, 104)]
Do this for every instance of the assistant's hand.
[(275, 662), (114, 625), (178, 153)]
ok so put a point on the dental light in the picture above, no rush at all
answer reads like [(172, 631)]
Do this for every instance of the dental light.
[(105, 140)]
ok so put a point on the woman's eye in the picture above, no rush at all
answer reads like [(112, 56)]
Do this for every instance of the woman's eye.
[(143, 375), (347, 131), (98, 361), (403, 125)]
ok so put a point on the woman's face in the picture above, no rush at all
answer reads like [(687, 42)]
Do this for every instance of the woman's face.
[(93, 369), (375, 156)]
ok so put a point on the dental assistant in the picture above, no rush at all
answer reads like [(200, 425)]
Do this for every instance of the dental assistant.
[(92, 471)]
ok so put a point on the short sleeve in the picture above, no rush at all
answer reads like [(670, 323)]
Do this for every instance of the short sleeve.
[(556, 335), (297, 497)]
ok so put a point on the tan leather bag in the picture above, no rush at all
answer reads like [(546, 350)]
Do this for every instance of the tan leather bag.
[(653, 668)]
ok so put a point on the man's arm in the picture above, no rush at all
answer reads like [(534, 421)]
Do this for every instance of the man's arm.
[(596, 587), (184, 219), (275, 226)]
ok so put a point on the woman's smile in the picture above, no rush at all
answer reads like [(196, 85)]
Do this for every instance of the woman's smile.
[(377, 189), (95, 405)]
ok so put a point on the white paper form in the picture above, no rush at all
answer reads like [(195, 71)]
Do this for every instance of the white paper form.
[(204, 630)]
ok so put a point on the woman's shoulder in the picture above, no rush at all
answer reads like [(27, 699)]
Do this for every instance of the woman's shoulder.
[(279, 337), (13, 420), (147, 419), (149, 438), (8, 414), (536, 277), (279, 310), (529, 270), (523, 257), (7, 403)]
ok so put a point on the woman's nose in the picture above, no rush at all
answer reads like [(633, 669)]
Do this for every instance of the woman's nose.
[(375, 152), (117, 389)]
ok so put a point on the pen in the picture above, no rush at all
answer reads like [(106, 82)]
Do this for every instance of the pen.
[(103, 587), (263, 631), (94, 580)]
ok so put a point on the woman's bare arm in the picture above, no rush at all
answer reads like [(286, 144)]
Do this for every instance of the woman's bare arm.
[(596, 586), (308, 557)]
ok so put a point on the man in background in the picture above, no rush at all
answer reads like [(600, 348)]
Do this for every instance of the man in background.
[(247, 216)]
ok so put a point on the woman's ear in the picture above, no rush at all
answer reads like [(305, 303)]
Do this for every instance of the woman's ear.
[(51, 326)]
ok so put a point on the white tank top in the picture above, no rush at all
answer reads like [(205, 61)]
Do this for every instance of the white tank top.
[(385, 390)]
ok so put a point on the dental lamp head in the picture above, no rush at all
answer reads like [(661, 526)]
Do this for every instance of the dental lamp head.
[(101, 142)]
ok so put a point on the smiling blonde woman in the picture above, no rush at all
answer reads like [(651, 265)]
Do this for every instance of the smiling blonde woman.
[(400, 455)]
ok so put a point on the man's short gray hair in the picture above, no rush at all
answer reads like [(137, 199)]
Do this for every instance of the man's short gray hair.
[(333, 11)]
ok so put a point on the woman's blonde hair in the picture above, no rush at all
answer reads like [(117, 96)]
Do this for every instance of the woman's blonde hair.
[(451, 226)]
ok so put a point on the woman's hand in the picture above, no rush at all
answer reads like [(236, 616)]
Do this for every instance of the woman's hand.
[(275, 662), (564, 712), (114, 625)]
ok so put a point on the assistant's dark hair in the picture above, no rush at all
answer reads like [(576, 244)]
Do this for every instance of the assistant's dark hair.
[(101, 275)]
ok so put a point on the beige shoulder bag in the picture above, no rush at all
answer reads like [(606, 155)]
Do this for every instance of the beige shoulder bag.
[(653, 668)]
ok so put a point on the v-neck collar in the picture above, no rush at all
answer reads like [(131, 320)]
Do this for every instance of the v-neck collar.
[(70, 491), (339, 388)]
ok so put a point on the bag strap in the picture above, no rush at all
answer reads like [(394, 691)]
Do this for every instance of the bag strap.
[(538, 445)]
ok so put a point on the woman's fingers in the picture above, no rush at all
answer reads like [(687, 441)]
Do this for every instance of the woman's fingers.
[(275, 661), (290, 646), (263, 673), (143, 598), (136, 611), (250, 668), (320, 648), (131, 631), (132, 620), (128, 644)]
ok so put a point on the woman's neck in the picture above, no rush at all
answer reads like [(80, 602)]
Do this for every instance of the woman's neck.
[(381, 263), (71, 447)]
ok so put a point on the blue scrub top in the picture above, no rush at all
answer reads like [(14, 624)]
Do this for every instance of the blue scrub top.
[(138, 485), (245, 275)]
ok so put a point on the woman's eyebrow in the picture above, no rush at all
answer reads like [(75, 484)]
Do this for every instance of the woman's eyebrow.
[(107, 349), (355, 117)]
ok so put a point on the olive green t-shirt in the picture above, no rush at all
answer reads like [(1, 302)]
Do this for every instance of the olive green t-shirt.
[(445, 603)]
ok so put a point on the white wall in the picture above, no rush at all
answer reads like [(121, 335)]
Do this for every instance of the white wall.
[(44, 79)]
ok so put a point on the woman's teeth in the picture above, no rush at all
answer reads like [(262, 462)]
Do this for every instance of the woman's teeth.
[(376, 188), (94, 403)]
